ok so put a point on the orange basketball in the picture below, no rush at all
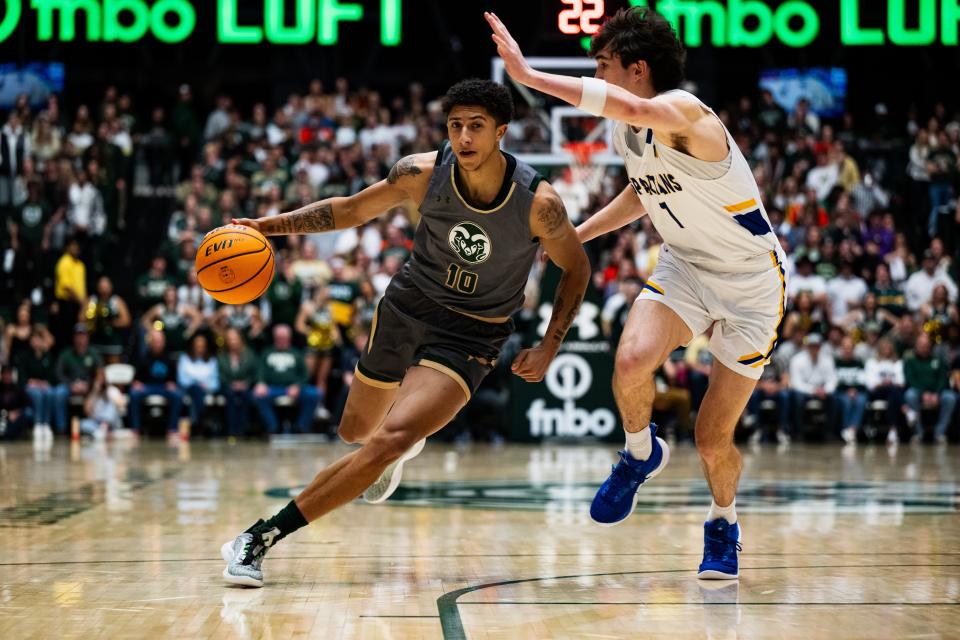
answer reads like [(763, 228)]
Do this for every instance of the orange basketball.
[(235, 264)]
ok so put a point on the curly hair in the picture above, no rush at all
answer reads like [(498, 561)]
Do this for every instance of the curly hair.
[(492, 96), (639, 33)]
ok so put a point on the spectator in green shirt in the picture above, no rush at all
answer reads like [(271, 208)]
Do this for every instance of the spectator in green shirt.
[(851, 392), (285, 295), (151, 285), (76, 371), (282, 372), (238, 369), (30, 224), (927, 377), (890, 298)]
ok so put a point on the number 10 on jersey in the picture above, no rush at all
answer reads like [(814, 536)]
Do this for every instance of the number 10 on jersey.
[(461, 280)]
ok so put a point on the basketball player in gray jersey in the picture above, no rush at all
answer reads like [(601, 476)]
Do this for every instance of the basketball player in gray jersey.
[(439, 328)]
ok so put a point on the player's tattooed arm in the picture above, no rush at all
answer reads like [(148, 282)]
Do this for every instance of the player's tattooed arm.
[(564, 311), (549, 224), (313, 218), (551, 214), (408, 180), (405, 167)]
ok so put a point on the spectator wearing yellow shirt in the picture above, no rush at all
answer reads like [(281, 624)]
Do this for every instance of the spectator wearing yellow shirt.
[(344, 293), (70, 291), (849, 172)]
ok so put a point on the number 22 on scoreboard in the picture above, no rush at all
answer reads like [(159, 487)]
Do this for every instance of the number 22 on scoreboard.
[(579, 18)]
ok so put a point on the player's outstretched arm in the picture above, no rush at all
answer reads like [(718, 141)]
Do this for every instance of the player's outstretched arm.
[(550, 224), (662, 113), (408, 180), (620, 211)]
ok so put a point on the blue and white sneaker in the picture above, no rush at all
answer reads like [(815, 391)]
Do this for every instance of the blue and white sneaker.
[(617, 497), (721, 542)]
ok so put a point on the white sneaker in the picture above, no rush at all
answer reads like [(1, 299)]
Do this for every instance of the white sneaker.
[(244, 557), (783, 437), (911, 418), (893, 437), (38, 434), (389, 480), (47, 434), (849, 435)]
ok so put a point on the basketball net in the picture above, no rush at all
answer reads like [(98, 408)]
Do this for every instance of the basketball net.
[(581, 165)]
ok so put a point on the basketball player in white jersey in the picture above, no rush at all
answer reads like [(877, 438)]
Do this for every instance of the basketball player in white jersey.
[(721, 263)]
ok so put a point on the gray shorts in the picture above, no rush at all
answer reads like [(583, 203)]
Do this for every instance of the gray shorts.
[(411, 329)]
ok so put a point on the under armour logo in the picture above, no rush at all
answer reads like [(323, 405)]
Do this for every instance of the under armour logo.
[(585, 322)]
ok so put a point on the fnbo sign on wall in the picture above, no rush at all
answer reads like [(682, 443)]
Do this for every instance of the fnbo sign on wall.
[(795, 23), (173, 21)]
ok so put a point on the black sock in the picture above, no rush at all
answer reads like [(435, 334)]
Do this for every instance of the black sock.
[(287, 520)]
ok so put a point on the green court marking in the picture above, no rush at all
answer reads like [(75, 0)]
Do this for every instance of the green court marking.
[(779, 496), (452, 625)]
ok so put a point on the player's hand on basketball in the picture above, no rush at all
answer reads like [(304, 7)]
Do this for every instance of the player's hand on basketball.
[(260, 390), (247, 222), (532, 364), (513, 60)]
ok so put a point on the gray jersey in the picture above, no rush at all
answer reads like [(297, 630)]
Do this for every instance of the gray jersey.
[(469, 257)]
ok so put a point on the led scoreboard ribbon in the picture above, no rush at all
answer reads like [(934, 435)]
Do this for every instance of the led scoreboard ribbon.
[(795, 23), (173, 21), (720, 23)]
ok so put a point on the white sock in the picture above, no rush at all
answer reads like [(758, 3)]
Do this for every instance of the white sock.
[(728, 513), (639, 444)]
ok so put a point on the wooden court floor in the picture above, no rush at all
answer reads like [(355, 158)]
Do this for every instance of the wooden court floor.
[(121, 541)]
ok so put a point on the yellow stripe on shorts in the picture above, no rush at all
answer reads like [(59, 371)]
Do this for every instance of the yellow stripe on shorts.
[(653, 286)]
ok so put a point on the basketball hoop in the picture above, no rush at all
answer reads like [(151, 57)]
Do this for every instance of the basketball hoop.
[(583, 151), (584, 170)]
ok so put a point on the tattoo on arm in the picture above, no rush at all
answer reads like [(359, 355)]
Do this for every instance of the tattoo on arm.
[(557, 310), (559, 306), (552, 215), (404, 167), (313, 218)]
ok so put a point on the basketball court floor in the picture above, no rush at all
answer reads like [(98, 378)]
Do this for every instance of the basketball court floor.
[(122, 541)]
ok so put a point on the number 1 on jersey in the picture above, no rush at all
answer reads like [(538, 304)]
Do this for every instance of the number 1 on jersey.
[(663, 205)]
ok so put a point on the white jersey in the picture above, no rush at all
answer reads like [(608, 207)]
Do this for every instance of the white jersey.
[(709, 214)]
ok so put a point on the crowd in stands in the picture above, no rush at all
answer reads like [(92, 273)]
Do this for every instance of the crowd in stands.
[(104, 207)]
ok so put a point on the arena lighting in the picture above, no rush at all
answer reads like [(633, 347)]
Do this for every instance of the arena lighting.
[(173, 21), (795, 23)]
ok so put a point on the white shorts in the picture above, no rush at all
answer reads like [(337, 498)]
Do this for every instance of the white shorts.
[(746, 307)]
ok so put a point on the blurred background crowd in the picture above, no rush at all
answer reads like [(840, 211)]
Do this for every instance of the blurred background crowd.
[(104, 204)]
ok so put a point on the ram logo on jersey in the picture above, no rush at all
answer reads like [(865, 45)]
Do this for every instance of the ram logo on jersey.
[(656, 185), (470, 242)]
